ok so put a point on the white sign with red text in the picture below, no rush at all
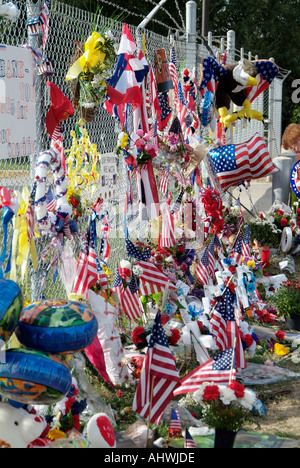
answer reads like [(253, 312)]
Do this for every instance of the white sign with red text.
[(17, 103)]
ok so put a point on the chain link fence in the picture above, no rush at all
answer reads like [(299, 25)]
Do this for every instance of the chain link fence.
[(68, 26)]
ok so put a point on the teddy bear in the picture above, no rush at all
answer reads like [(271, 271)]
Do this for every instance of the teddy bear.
[(18, 427)]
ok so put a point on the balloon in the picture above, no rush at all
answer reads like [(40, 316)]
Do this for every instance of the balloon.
[(11, 305), (58, 327), (34, 378), (232, 165), (100, 432)]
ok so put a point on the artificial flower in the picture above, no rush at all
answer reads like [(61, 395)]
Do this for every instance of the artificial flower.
[(211, 393), (227, 395), (280, 335), (281, 350)]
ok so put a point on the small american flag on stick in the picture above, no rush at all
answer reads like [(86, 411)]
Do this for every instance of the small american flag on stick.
[(220, 369), (159, 376)]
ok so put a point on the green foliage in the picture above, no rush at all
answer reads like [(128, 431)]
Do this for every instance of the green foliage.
[(286, 299)]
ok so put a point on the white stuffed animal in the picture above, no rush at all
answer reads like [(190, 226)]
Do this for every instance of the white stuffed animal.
[(9, 11), (19, 428), (100, 432)]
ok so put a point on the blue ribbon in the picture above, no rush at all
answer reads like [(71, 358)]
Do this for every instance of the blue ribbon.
[(6, 219)]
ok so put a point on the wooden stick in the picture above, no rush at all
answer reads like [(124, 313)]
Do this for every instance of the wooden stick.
[(232, 362), (150, 410), (169, 429)]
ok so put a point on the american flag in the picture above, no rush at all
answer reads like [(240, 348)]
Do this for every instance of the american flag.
[(173, 72), (118, 287), (168, 238), (164, 181), (165, 110), (44, 20), (237, 252), (131, 300), (232, 331), (189, 441), (51, 203), (182, 110), (151, 274), (246, 242), (267, 71), (211, 256), (177, 204), (217, 369), (202, 271), (159, 376), (234, 164), (87, 271), (218, 326), (102, 278), (175, 420), (211, 72)]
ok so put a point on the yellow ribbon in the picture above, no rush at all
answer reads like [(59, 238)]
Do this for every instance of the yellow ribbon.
[(91, 58), (20, 239), (82, 162)]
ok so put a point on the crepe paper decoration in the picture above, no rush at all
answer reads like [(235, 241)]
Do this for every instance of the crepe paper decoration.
[(46, 160), (60, 110), (232, 165), (109, 338), (82, 161)]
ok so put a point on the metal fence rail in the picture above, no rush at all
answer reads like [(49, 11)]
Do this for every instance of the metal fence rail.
[(69, 25)]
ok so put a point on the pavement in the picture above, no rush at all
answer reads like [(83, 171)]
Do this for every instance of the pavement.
[(259, 193)]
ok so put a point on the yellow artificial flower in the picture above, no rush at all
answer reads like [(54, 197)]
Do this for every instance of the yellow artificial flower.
[(251, 264), (55, 434), (281, 350)]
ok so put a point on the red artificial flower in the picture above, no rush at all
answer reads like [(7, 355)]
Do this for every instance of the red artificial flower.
[(248, 340), (284, 222), (174, 338), (232, 269), (211, 393), (239, 389), (137, 335), (280, 335), (181, 249)]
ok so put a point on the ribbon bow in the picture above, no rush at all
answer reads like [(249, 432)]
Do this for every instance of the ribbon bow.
[(91, 58)]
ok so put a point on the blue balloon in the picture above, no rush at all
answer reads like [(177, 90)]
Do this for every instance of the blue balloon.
[(32, 377), (58, 327), (11, 306)]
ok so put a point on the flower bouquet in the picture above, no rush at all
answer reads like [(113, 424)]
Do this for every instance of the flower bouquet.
[(91, 67), (227, 409), (264, 231), (286, 301)]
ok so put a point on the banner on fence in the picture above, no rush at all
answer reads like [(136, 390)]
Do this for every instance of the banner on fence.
[(17, 103)]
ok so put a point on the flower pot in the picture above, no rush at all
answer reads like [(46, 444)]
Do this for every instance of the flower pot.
[(293, 322), (224, 438)]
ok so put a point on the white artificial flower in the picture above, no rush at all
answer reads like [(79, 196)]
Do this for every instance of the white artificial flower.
[(248, 400), (296, 358), (227, 395), (137, 270), (125, 264)]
